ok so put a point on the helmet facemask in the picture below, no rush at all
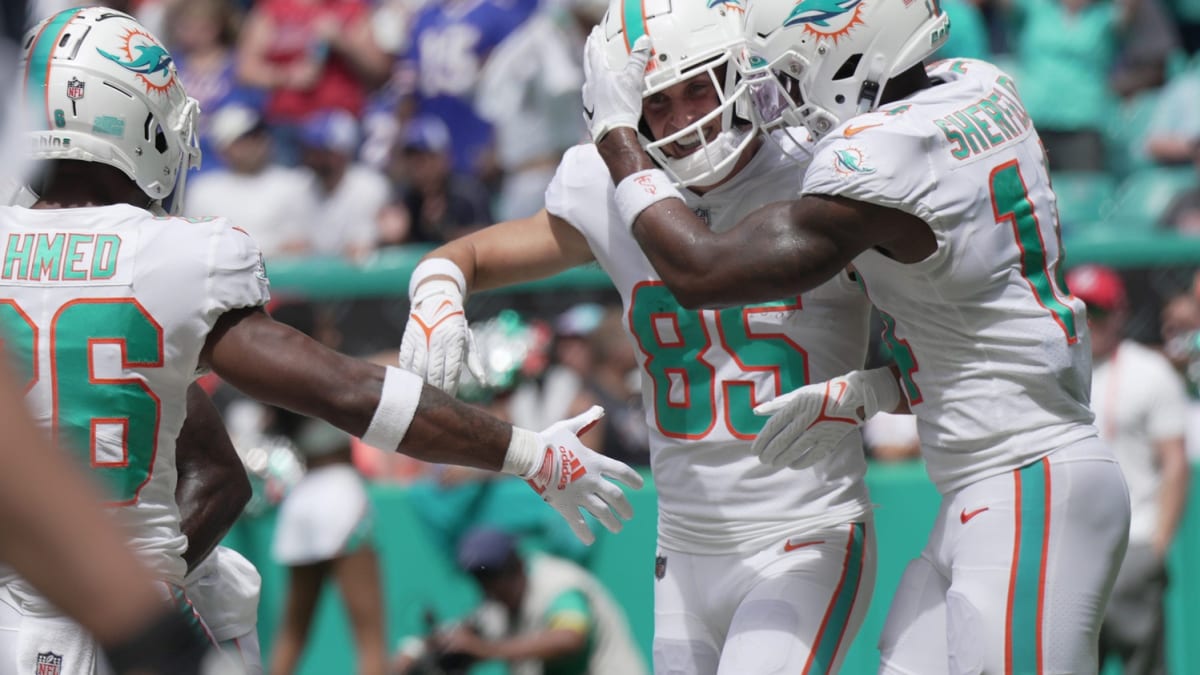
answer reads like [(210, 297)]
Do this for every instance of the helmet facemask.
[(689, 40)]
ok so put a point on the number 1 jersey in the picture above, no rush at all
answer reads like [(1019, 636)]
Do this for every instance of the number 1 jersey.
[(704, 371), (994, 352), (105, 310)]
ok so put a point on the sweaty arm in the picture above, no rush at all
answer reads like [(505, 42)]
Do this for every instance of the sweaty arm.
[(213, 487), (276, 364), (781, 249), (392, 408)]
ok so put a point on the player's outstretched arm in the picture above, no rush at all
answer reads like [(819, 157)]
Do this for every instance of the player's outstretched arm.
[(392, 408), (212, 488), (437, 340)]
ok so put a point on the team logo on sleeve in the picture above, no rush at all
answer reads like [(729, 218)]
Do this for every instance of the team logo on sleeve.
[(48, 663), (851, 161), (826, 18), (142, 55)]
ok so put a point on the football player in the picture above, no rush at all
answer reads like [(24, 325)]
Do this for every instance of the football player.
[(934, 185), (759, 569), (113, 305)]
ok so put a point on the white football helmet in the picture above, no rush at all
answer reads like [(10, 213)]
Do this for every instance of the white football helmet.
[(100, 88), (689, 39), (821, 62)]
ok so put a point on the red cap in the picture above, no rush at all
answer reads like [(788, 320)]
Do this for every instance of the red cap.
[(1098, 286)]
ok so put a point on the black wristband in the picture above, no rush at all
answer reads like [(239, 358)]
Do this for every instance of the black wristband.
[(169, 645)]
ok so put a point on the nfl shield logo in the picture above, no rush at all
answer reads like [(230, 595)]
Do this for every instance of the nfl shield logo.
[(74, 88), (660, 566), (48, 663)]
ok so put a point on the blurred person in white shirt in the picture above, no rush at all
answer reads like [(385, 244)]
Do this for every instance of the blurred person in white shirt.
[(529, 91), (273, 203), (350, 195), (1141, 410)]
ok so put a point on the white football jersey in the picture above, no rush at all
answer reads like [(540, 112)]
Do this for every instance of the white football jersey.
[(994, 352), (704, 371), (105, 311)]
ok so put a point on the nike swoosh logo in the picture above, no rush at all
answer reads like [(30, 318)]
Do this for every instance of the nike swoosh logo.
[(967, 515), (854, 131), (788, 546), (589, 113), (841, 384)]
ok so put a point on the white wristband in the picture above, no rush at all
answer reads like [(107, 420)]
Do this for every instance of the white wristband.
[(638, 191), (525, 453), (397, 406), (436, 267)]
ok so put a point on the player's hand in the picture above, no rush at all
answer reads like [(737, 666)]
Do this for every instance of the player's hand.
[(612, 98), (572, 476), (437, 339), (809, 423)]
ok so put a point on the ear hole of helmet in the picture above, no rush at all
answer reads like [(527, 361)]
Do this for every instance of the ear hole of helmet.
[(158, 137), (848, 68)]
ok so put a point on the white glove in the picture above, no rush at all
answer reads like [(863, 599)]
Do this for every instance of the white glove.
[(612, 99), (437, 339), (808, 423), (570, 476)]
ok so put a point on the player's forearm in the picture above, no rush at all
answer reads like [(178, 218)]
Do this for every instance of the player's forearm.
[(515, 251), (763, 258), (212, 488)]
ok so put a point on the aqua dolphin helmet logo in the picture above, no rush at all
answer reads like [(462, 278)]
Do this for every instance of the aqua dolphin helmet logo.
[(826, 18), (145, 57)]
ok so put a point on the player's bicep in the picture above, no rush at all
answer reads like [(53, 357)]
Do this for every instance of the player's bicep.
[(526, 249), (850, 226)]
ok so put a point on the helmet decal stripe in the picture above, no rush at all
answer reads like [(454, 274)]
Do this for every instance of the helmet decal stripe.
[(37, 68), (633, 22)]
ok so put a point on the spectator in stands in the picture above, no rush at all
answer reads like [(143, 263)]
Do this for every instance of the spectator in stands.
[(1174, 129), (449, 44), (311, 56), (614, 382), (1141, 406), (529, 91), (350, 195), (435, 203), (1065, 50), (326, 527), (1147, 46), (202, 36), (271, 202), (889, 437), (1184, 212), (540, 614)]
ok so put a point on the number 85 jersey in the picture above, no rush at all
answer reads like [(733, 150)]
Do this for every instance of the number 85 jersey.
[(704, 371), (105, 311)]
